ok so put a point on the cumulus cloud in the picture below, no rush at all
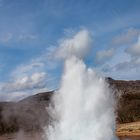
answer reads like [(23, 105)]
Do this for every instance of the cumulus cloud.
[(23, 86), (31, 77), (78, 45), (126, 37), (36, 80), (104, 55)]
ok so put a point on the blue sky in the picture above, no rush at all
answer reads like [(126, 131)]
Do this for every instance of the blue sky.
[(30, 31)]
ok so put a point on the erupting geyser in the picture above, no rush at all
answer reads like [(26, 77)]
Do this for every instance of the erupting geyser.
[(83, 108)]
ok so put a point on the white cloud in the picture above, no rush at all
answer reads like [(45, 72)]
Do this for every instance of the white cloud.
[(126, 37), (77, 45), (36, 80), (22, 87), (134, 50), (134, 62), (31, 77), (125, 64), (29, 68), (19, 95), (104, 55), (43, 63), (122, 63)]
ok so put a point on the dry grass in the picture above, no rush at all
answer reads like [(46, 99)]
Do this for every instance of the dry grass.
[(128, 129)]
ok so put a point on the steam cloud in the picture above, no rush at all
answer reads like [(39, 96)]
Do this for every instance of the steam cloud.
[(83, 108), (77, 46)]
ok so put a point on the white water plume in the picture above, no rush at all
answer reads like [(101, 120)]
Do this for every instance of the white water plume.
[(84, 105)]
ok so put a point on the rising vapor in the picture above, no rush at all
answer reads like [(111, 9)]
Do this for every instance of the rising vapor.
[(83, 107)]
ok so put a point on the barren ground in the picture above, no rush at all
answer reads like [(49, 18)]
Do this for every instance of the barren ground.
[(128, 129)]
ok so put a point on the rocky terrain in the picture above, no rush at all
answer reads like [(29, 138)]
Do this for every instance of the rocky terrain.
[(30, 114)]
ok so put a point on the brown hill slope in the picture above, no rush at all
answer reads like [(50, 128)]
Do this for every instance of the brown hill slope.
[(129, 101), (30, 114)]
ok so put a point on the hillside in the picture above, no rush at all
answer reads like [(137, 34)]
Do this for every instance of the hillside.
[(30, 114), (128, 108)]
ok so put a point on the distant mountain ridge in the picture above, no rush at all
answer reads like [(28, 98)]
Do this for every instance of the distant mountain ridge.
[(30, 114)]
